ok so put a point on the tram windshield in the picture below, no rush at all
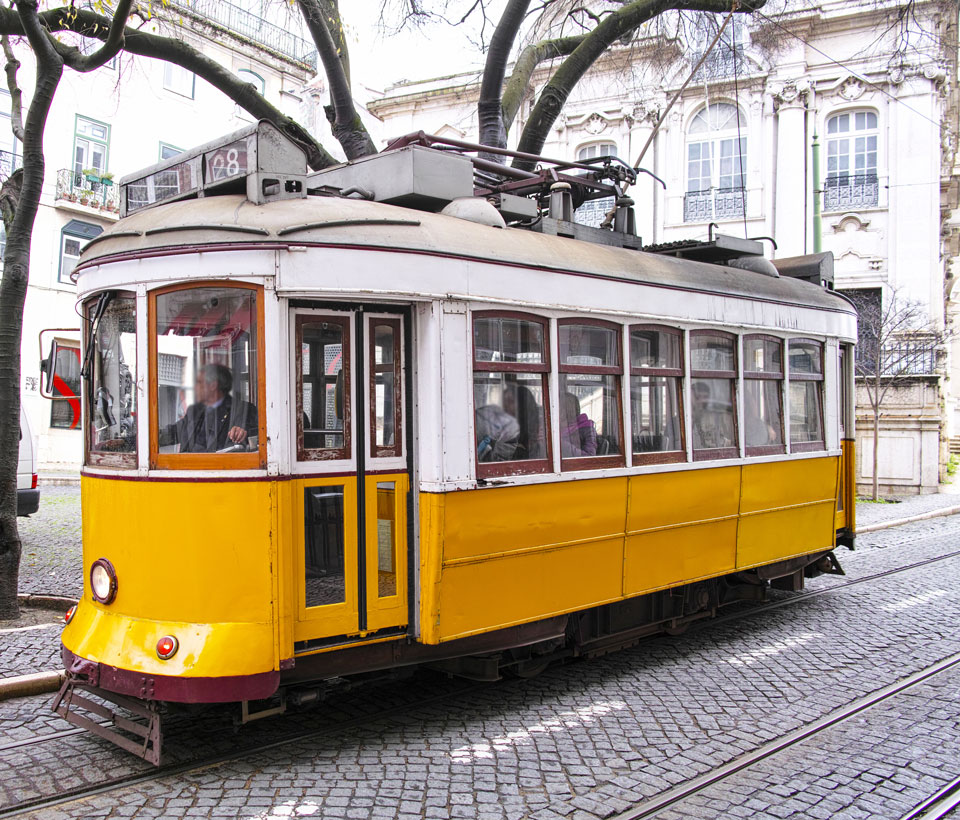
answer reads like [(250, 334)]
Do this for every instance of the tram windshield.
[(206, 349), (112, 376)]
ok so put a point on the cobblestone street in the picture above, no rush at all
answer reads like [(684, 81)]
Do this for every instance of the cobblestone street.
[(584, 740)]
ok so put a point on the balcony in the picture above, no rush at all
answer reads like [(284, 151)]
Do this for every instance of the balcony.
[(253, 27), (848, 192), (87, 193), (716, 203), (724, 61), (9, 163)]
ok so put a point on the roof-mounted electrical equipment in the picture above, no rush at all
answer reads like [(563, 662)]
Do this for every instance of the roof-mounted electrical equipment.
[(258, 161)]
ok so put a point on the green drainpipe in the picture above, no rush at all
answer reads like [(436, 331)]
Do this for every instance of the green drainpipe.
[(817, 228)]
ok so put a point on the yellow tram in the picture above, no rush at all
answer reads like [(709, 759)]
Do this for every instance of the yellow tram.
[(406, 411)]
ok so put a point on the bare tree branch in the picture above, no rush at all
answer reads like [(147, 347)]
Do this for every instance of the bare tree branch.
[(523, 69), (16, 95), (344, 119), (489, 107), (111, 47)]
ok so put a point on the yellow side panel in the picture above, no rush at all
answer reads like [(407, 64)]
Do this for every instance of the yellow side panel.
[(491, 594), (509, 519), (850, 469), (680, 527), (431, 507), (517, 554), (787, 508)]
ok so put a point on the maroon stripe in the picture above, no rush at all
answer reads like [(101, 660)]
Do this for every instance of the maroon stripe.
[(230, 479), (224, 689)]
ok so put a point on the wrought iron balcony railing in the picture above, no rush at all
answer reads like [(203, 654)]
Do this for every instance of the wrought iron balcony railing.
[(9, 163), (903, 357), (98, 193), (724, 61), (253, 27), (847, 192), (716, 203)]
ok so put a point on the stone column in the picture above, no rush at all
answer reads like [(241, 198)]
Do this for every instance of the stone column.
[(790, 172)]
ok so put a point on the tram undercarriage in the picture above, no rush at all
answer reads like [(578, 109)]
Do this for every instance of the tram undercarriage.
[(136, 724)]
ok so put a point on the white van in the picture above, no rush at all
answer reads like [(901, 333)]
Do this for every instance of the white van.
[(28, 496)]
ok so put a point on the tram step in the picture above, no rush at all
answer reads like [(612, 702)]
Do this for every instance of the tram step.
[(143, 740)]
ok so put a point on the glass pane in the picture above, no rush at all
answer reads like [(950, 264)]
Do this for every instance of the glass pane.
[(589, 345), (655, 348), (322, 385), (762, 356), (323, 546), (710, 352), (509, 417), (763, 415), (655, 411), (207, 371), (806, 357), (65, 411), (386, 539), (113, 378), (713, 411), (385, 392), (589, 415), (805, 415), (500, 339)]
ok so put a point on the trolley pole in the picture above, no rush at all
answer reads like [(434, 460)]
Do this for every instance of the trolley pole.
[(817, 228)]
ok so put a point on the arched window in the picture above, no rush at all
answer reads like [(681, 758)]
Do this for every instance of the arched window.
[(851, 161), (252, 77), (593, 212), (716, 164)]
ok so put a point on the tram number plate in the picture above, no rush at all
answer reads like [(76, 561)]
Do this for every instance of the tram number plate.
[(227, 162)]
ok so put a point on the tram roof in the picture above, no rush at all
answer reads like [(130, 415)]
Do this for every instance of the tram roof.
[(321, 220)]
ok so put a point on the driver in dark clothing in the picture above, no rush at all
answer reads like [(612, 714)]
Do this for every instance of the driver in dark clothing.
[(217, 420)]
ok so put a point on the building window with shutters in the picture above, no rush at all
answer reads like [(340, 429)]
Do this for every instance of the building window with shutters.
[(73, 239)]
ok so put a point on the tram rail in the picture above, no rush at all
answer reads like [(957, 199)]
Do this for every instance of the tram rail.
[(939, 805), (647, 809)]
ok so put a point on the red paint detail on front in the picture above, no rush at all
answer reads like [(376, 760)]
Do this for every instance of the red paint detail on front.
[(171, 688)]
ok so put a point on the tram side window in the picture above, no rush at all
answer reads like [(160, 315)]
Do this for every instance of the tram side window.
[(763, 395), (806, 395), (207, 374), (590, 411), (510, 367), (111, 379), (323, 388), (656, 399), (713, 360)]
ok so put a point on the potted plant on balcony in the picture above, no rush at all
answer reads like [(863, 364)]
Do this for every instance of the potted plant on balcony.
[(107, 178), (92, 174)]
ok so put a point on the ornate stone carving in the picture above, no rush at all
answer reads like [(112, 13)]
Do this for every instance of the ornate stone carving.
[(792, 94), (595, 124), (851, 89)]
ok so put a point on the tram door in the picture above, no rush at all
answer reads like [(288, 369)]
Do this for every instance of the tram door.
[(351, 499)]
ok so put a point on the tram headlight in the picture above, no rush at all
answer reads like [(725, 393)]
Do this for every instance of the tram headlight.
[(103, 581)]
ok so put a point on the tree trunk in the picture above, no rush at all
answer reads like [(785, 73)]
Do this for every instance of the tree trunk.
[(13, 292), (876, 453)]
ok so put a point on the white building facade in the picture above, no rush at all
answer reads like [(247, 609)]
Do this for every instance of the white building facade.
[(876, 98), (124, 116)]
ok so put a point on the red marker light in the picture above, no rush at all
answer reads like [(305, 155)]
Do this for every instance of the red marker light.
[(68, 615), (167, 647), (33, 482)]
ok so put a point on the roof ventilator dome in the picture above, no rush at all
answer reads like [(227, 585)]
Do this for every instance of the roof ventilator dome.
[(476, 210)]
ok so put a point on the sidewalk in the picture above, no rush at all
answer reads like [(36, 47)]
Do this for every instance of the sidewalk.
[(870, 513)]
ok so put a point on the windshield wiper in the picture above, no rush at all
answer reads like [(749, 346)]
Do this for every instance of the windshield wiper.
[(105, 299)]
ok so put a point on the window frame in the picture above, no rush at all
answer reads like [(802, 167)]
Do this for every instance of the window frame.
[(714, 138), (125, 461), (497, 469), (396, 449), (171, 87), (162, 145), (313, 454), (848, 178), (205, 461), (809, 446), (77, 398), (571, 464), (668, 456), (754, 375), (90, 139), (717, 453)]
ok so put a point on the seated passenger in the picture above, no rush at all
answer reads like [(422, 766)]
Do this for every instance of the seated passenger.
[(520, 403), (497, 433), (578, 434), (216, 421)]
